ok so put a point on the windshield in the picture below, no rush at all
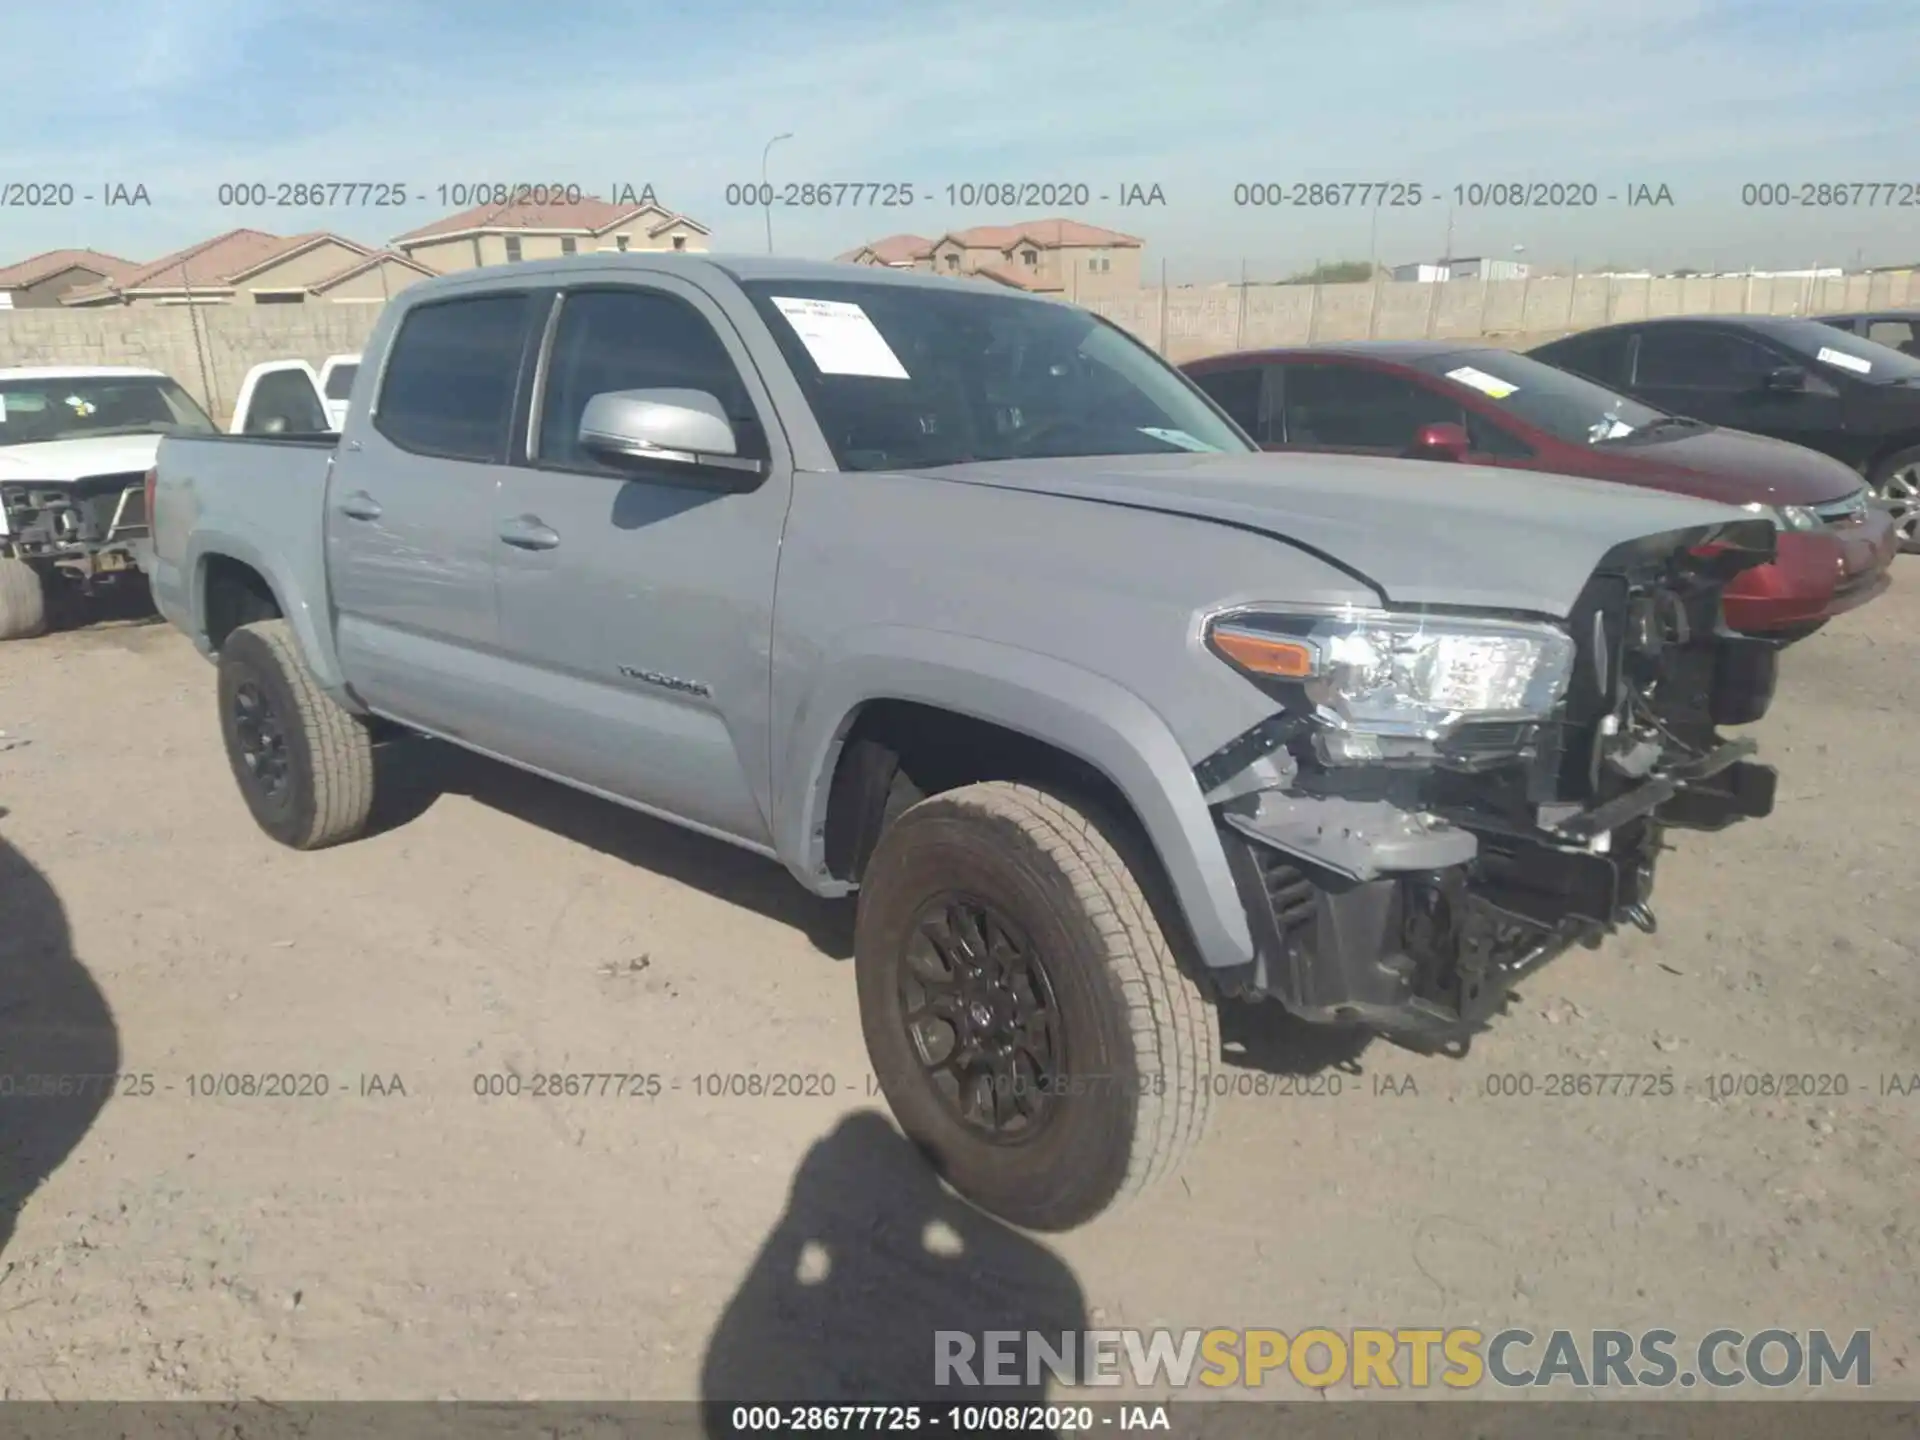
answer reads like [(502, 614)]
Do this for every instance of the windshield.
[(340, 381), (76, 408), (1850, 354), (906, 377), (1564, 405)]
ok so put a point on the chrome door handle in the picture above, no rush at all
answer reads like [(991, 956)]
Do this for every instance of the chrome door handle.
[(360, 506), (529, 532)]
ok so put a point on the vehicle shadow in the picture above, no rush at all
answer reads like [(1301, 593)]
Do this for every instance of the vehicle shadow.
[(1260, 1035), (59, 1047), (415, 772), (125, 603), (871, 1259)]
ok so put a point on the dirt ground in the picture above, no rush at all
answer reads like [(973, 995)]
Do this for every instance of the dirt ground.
[(403, 1236)]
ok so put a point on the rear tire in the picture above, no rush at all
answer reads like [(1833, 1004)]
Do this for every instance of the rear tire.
[(1896, 480), (1130, 1041), (23, 600), (303, 764)]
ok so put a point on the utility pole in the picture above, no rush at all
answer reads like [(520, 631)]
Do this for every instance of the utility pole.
[(1163, 307), (766, 191), (1240, 321)]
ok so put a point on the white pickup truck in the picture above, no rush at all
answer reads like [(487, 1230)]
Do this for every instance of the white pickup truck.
[(336, 385), (76, 445)]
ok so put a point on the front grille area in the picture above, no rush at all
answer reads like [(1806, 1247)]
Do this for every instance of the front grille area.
[(1849, 510), (1289, 893), (54, 517)]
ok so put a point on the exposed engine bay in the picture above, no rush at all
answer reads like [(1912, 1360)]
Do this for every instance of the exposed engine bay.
[(85, 529), (1408, 891)]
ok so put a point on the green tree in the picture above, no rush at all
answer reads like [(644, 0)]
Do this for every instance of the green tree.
[(1336, 272)]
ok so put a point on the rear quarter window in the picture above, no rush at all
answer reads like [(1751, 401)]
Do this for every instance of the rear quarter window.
[(1598, 357)]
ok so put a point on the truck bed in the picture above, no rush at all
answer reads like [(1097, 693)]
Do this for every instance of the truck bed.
[(250, 497)]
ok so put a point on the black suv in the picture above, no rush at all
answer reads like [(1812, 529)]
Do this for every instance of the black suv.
[(1800, 380), (1896, 329)]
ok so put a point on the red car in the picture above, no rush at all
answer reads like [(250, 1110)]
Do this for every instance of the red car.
[(1442, 400)]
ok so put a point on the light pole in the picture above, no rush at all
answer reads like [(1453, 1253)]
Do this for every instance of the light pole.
[(766, 194)]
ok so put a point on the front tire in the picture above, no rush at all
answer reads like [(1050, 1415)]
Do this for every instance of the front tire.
[(1025, 1016), (303, 764), (23, 600), (1896, 480)]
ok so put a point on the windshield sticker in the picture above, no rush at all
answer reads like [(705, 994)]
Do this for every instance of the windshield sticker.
[(1845, 361), (1180, 438), (1483, 382), (841, 339), (81, 406), (3, 409)]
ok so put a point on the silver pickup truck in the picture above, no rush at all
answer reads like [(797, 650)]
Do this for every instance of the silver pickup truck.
[(966, 601)]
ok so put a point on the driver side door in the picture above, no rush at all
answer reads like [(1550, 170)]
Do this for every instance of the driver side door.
[(1720, 377), (636, 603)]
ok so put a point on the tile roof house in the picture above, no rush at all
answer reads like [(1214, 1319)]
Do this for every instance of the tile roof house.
[(502, 234), (903, 252), (255, 267), (38, 282), (1050, 257)]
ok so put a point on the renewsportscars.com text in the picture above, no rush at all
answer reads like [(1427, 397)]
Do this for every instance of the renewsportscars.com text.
[(1411, 1358)]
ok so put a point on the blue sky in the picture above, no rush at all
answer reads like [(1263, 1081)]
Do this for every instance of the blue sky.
[(1701, 95)]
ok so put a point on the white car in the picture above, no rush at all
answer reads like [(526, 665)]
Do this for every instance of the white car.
[(76, 443)]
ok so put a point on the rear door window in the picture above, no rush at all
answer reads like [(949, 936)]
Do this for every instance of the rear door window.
[(1602, 358), (451, 378)]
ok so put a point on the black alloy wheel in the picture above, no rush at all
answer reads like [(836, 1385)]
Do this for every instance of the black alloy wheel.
[(980, 1013), (261, 740)]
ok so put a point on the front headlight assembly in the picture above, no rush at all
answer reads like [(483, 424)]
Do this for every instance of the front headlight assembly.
[(1386, 687), (1787, 517)]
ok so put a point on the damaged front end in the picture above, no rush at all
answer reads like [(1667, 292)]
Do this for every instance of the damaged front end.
[(1445, 802), (88, 529)]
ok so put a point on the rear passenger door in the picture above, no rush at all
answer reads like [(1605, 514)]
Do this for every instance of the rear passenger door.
[(1352, 409), (636, 603), (410, 530)]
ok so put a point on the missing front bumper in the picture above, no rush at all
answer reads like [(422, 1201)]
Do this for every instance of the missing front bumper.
[(1432, 955)]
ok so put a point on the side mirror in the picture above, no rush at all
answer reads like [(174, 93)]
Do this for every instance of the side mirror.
[(1785, 380), (680, 428), (1445, 441)]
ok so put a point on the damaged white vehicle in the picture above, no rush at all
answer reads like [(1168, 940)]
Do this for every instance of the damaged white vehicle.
[(76, 443)]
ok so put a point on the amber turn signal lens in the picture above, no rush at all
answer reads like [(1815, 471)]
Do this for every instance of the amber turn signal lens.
[(1265, 654)]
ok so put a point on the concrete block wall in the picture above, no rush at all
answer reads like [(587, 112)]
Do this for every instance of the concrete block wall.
[(209, 348), (1185, 324)]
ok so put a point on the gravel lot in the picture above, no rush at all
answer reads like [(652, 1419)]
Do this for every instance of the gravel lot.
[(403, 1236)]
